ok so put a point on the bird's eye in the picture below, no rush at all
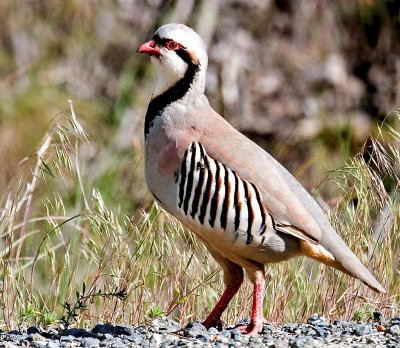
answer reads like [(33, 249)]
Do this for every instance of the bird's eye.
[(172, 45)]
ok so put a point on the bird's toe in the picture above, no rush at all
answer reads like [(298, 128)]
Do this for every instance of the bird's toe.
[(250, 329), (213, 322)]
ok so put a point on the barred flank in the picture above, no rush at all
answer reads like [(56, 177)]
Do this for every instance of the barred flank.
[(215, 191)]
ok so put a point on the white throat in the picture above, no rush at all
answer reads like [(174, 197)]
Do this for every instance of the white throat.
[(167, 79)]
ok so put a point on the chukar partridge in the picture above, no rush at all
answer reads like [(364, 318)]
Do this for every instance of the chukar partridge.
[(239, 201)]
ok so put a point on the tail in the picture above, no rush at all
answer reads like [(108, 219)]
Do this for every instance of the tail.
[(335, 253)]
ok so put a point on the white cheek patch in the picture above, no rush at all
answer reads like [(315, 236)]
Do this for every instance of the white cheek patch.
[(170, 69)]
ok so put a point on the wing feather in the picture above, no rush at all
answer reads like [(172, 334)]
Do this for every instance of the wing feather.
[(290, 204)]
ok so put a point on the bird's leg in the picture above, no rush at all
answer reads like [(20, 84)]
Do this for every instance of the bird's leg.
[(256, 322), (233, 280)]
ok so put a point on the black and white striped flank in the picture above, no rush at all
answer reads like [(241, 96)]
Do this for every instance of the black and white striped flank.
[(214, 195)]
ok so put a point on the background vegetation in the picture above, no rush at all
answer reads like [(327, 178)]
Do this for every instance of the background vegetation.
[(311, 81)]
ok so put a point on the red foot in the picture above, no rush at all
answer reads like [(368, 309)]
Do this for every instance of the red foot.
[(214, 318), (255, 325), (214, 322), (250, 329)]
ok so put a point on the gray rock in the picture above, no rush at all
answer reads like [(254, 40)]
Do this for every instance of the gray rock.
[(226, 333), (339, 323), (134, 338), (236, 335), (308, 331), (268, 342), (17, 337), (322, 331), (281, 343), (36, 337), (255, 339), (155, 340), (116, 342), (141, 329), (167, 343), (394, 330), (302, 342), (37, 344), (204, 337), (52, 345), (90, 342), (222, 339), (292, 328), (194, 329), (363, 329), (184, 342), (316, 319), (395, 321), (267, 329), (213, 331), (67, 338), (319, 334), (164, 325)]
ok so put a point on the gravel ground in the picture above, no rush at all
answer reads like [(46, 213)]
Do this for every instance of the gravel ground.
[(317, 332)]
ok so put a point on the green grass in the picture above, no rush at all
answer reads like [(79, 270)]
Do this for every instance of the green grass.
[(68, 255)]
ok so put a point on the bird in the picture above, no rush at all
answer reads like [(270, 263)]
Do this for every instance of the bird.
[(239, 201)]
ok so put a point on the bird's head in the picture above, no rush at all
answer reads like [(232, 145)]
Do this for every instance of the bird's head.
[(176, 50)]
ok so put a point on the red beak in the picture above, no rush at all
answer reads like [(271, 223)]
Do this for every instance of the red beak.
[(149, 48)]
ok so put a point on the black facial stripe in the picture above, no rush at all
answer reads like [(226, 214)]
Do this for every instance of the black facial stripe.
[(185, 56), (159, 41), (174, 93), (163, 41), (181, 52)]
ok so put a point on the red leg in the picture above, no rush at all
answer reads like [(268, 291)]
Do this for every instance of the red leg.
[(256, 322), (233, 280)]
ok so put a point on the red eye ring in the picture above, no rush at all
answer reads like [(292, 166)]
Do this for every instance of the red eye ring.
[(172, 45)]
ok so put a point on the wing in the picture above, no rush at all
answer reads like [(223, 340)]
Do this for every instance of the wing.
[(215, 196), (293, 209)]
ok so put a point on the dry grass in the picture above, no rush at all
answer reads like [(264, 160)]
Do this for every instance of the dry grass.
[(57, 234)]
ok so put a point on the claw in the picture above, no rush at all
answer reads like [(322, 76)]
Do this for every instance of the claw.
[(250, 329)]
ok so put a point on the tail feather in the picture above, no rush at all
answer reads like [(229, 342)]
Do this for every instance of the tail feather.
[(342, 259)]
